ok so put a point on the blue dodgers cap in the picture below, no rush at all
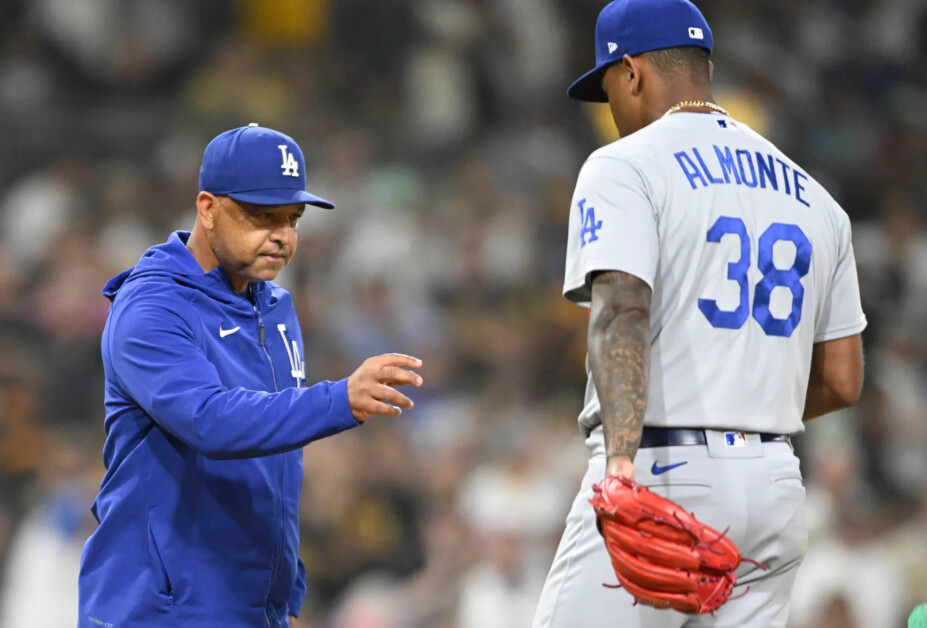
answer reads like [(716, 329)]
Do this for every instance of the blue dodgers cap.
[(257, 165), (631, 27)]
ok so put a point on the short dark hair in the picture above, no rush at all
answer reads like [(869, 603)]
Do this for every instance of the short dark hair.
[(683, 62)]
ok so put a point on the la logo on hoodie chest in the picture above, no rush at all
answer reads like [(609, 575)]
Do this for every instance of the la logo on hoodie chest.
[(297, 365)]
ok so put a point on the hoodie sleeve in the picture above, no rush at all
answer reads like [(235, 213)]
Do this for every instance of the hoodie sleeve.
[(156, 359), (298, 596)]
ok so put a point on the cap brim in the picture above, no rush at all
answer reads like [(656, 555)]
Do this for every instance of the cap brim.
[(282, 197), (588, 87)]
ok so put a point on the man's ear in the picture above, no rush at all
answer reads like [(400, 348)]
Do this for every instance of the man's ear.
[(206, 207), (635, 67), (711, 70)]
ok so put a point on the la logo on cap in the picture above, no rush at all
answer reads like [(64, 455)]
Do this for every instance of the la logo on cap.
[(290, 165)]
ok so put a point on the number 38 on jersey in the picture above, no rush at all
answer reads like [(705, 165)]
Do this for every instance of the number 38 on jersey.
[(772, 277)]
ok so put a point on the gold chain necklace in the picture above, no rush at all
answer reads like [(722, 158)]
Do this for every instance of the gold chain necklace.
[(696, 103)]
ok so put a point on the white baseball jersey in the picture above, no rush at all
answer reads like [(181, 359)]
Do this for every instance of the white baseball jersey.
[(750, 262)]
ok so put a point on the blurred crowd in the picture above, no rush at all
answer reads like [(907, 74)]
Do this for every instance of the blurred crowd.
[(442, 131)]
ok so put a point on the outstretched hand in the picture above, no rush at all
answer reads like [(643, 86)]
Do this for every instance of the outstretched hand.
[(370, 387)]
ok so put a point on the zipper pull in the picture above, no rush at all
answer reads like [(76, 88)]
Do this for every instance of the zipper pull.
[(257, 313)]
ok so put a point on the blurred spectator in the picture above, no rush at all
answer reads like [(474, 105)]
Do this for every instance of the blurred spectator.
[(21, 439), (126, 215), (430, 596), (71, 314), (132, 45), (39, 208), (501, 590), (515, 504), (441, 112), (45, 555), (845, 528), (26, 80), (368, 522), (909, 551)]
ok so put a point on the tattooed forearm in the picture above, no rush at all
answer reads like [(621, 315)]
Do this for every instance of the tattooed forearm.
[(619, 354)]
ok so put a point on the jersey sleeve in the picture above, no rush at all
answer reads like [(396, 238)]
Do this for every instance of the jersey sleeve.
[(613, 226), (842, 313)]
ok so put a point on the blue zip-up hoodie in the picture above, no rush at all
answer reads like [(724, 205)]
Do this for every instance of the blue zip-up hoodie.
[(206, 415)]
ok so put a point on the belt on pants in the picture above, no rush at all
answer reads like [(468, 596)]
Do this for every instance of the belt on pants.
[(671, 437)]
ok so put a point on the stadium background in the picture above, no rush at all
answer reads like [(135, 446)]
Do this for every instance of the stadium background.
[(441, 130)]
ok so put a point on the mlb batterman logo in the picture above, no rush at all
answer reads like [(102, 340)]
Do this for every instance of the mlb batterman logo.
[(290, 165), (696, 33), (735, 439)]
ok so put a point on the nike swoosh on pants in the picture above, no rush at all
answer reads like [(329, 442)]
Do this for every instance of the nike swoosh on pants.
[(656, 469)]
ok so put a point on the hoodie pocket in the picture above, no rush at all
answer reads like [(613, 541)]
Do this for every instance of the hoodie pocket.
[(159, 570)]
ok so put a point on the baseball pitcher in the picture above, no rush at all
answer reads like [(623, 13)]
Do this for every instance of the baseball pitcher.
[(724, 312)]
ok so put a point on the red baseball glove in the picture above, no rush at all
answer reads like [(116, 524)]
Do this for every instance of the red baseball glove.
[(662, 555)]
